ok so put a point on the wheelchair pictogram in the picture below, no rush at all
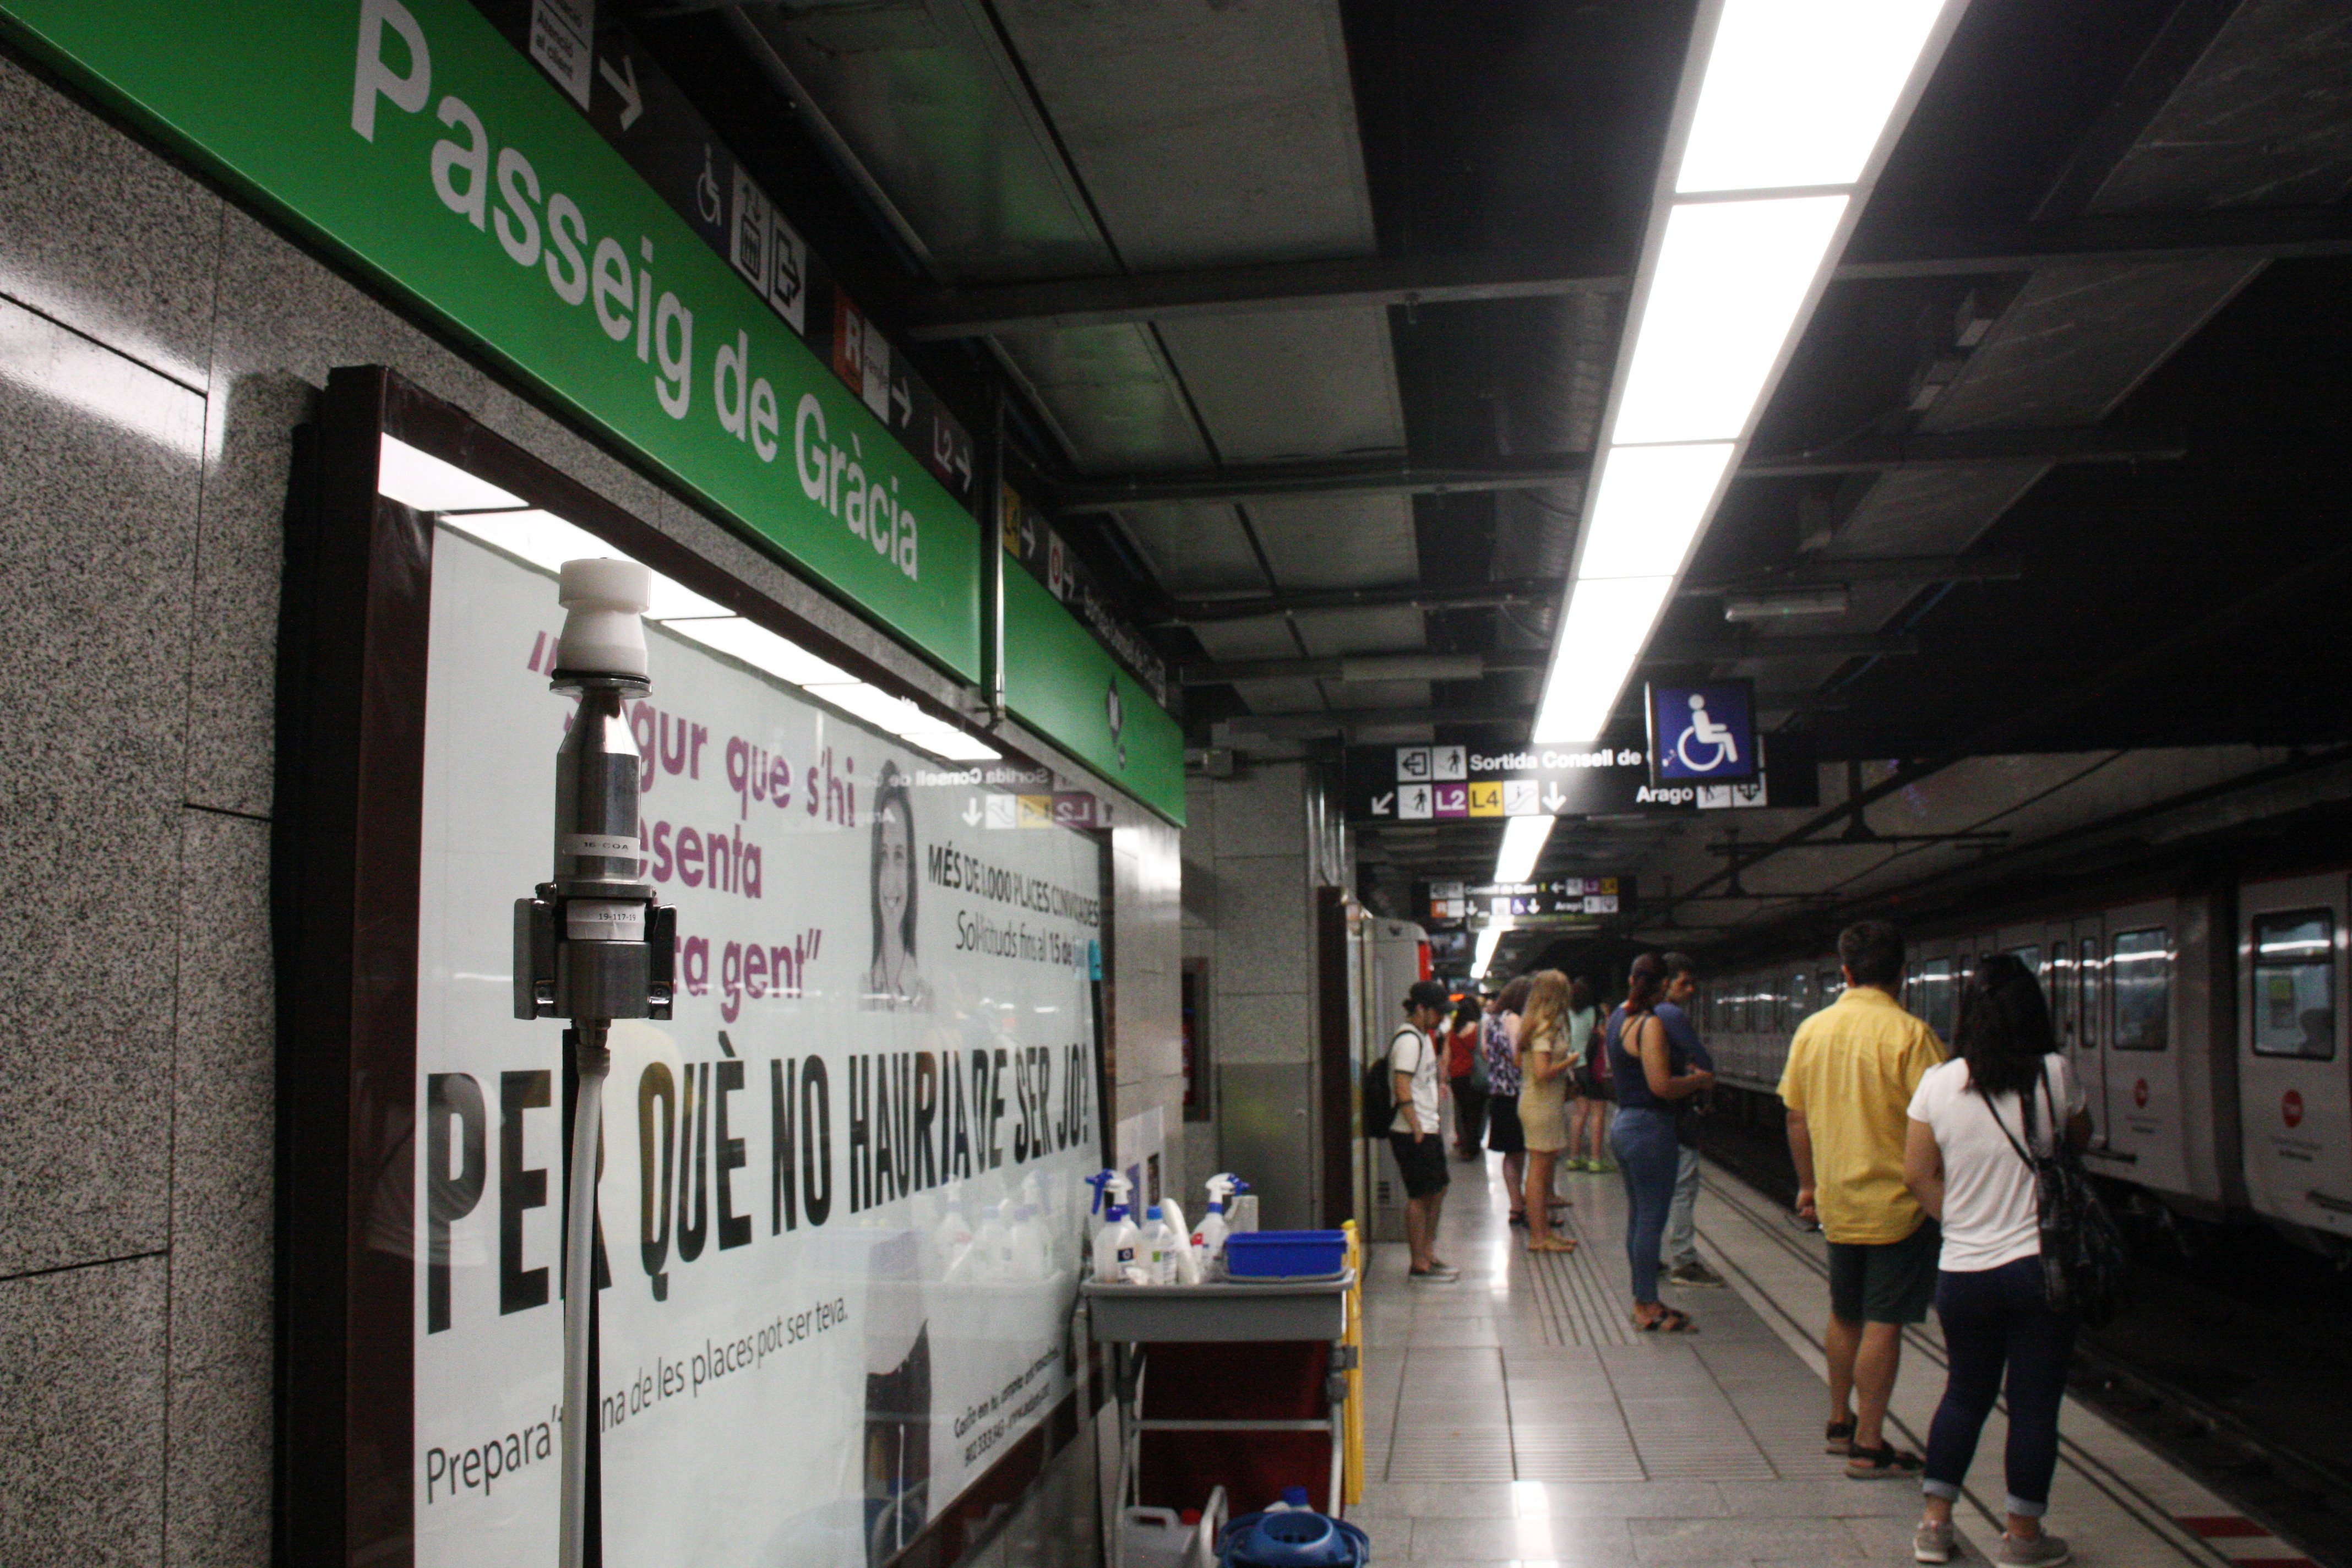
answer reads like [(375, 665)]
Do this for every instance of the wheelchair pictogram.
[(1715, 742)]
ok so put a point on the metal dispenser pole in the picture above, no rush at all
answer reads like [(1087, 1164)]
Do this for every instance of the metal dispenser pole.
[(593, 945)]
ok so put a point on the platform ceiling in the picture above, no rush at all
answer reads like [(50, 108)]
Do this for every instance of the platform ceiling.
[(1275, 255)]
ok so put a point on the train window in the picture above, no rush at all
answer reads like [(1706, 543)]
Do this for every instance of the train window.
[(2086, 991), (2294, 984), (1932, 1000), (2139, 975), (1800, 1002), (2030, 955), (1831, 982)]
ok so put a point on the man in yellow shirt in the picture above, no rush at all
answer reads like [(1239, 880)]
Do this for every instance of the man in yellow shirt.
[(1852, 1069)]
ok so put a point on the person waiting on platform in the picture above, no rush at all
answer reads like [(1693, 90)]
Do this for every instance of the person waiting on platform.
[(1420, 1146), (1546, 1057), (1587, 1114), (1971, 1123), (1466, 1070), (1852, 1068), (1503, 1090), (1681, 1261), (1653, 1078)]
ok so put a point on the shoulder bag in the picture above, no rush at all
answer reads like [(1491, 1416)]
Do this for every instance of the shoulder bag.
[(2082, 1253)]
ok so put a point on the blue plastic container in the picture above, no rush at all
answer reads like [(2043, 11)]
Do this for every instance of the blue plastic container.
[(1285, 1254), (1292, 1540)]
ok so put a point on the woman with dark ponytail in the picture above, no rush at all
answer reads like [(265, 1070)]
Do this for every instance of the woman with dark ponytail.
[(1653, 1078), (2007, 1094)]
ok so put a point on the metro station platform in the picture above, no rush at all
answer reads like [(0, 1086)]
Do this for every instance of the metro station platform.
[(1516, 1417)]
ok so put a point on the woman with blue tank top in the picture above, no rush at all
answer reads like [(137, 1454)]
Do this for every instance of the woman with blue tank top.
[(1652, 1079)]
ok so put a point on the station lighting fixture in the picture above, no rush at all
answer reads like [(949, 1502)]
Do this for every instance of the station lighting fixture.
[(1489, 939), (475, 507), (1788, 604), (1787, 112)]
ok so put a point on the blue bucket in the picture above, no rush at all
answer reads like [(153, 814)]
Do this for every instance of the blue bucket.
[(1293, 1539)]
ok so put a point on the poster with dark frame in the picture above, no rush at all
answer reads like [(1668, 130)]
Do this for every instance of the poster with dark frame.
[(931, 1082)]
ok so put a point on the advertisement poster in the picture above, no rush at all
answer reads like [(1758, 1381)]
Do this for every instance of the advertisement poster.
[(841, 1203)]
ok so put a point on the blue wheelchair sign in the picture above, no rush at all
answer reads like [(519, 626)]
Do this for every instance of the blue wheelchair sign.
[(1703, 733)]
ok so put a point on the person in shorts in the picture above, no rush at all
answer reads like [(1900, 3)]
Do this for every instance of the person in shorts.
[(1414, 1058), (1852, 1069)]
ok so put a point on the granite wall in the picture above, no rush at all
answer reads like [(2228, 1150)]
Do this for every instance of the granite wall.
[(158, 346)]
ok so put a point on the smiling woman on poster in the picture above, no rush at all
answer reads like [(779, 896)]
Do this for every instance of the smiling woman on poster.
[(893, 984)]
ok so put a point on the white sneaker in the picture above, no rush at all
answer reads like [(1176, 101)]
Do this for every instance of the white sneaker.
[(2044, 1551), (1441, 1274), (1932, 1543)]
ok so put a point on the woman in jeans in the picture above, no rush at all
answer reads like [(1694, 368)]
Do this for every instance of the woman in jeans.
[(1972, 1119), (1651, 1083)]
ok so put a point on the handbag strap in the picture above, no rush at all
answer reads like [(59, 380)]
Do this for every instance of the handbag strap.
[(2025, 1114)]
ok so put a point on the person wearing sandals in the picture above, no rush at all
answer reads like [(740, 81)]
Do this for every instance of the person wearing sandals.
[(1852, 1068), (1682, 1262), (1651, 1078), (1971, 1123), (1503, 1090), (1587, 1114), (1546, 1057)]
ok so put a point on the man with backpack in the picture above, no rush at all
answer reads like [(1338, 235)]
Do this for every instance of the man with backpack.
[(1413, 1058)]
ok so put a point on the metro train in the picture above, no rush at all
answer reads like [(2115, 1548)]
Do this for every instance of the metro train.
[(2208, 1028)]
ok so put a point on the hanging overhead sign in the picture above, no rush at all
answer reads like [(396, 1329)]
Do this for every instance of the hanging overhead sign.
[(1702, 734), (411, 140), (1556, 900), (1468, 783)]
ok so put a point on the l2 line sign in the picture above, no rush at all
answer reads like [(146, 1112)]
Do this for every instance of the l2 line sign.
[(1437, 783)]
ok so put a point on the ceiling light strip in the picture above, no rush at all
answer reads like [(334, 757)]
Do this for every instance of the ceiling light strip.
[(1787, 113)]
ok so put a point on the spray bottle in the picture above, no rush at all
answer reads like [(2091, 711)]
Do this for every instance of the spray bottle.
[(1209, 1241), (1117, 1243), (1174, 1214)]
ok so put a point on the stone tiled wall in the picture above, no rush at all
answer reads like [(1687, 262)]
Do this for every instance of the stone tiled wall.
[(158, 346)]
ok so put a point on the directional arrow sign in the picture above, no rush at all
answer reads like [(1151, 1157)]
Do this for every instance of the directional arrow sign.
[(971, 812), (625, 82), (1383, 804)]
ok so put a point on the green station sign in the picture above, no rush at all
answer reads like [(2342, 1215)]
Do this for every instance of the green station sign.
[(413, 141)]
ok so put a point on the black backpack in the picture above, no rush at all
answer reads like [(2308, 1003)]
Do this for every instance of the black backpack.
[(1379, 1091), (2082, 1253)]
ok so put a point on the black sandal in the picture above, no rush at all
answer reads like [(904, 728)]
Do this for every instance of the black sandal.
[(1669, 1320), (1840, 1437), (1884, 1463)]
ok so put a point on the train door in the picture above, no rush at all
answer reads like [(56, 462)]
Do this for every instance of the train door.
[(2141, 1058), (1934, 983), (2088, 987), (2293, 1101)]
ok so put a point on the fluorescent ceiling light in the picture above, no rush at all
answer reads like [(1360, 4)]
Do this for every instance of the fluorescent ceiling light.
[(764, 649), (1600, 641), (1730, 279), (421, 480), (1523, 843), (1798, 92), (1788, 604), (1651, 503), (1488, 941)]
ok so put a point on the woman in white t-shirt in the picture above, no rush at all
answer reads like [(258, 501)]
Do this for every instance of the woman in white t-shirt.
[(2006, 1089)]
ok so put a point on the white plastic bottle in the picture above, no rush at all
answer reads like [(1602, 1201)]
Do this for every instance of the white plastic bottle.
[(1160, 1247), (1174, 1214), (1031, 1259), (1117, 1243), (991, 1245), (1209, 1240)]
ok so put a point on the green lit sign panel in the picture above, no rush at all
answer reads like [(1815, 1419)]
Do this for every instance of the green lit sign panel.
[(413, 139)]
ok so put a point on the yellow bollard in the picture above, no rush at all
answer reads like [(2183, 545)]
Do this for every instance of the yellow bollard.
[(1352, 1482)]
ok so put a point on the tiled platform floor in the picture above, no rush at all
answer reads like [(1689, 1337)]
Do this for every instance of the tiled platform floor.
[(1515, 1417)]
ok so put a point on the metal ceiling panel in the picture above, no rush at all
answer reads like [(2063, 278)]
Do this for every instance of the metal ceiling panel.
[(1198, 548), (921, 91), (1282, 696), (1208, 133), (1266, 637), (1302, 384), (1109, 395), (1339, 541), (1330, 634)]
